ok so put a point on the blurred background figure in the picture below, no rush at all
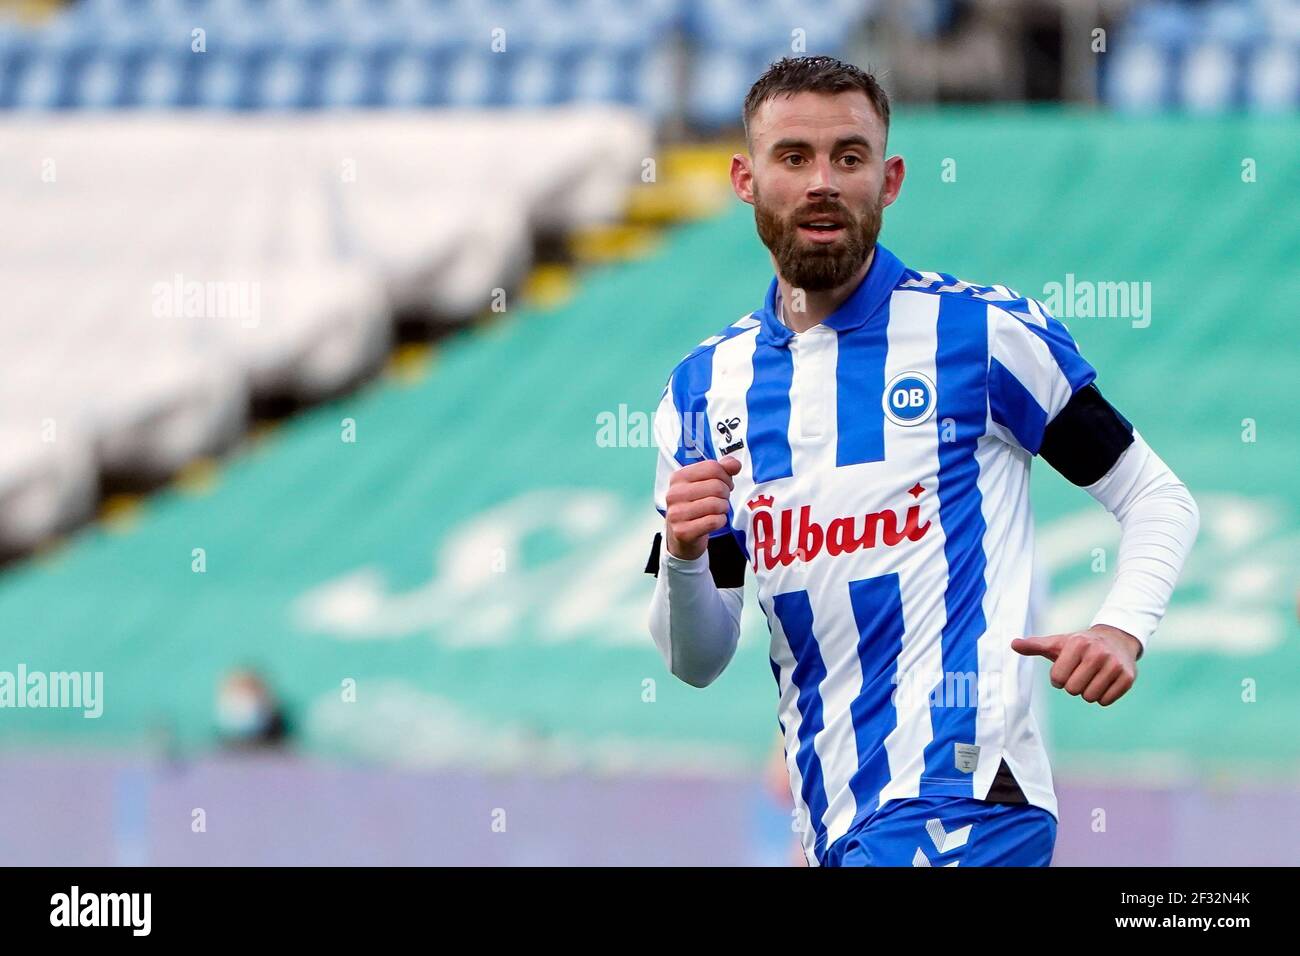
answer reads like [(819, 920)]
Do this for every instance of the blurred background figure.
[(332, 330), (775, 837), (248, 714)]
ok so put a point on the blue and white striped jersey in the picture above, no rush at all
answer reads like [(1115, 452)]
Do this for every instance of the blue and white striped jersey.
[(883, 504)]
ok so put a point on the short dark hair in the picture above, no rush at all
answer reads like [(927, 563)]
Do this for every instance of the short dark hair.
[(813, 74)]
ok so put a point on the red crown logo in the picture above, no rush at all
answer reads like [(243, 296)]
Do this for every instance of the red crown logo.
[(762, 501)]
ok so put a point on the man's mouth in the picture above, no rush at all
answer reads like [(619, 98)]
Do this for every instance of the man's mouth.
[(821, 228)]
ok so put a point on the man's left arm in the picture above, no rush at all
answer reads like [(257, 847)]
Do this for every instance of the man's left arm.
[(1093, 446), (1158, 521)]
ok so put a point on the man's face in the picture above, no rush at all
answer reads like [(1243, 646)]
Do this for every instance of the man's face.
[(818, 180)]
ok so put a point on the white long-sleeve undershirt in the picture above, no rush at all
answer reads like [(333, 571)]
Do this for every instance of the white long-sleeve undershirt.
[(1158, 521), (696, 625)]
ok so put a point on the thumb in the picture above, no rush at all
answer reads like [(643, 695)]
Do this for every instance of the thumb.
[(1048, 647), (732, 465)]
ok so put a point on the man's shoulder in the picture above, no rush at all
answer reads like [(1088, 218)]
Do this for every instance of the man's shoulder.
[(1003, 298), (695, 356)]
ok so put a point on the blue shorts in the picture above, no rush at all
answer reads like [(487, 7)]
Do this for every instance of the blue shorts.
[(948, 831)]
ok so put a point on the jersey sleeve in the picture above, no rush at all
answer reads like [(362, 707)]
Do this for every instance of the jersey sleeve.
[(682, 439), (1043, 396), (667, 429), (1035, 369), (680, 444)]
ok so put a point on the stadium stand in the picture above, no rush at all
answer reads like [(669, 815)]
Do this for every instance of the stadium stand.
[(1207, 57), (665, 58), (309, 54)]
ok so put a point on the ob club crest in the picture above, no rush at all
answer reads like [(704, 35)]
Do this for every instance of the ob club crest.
[(909, 399)]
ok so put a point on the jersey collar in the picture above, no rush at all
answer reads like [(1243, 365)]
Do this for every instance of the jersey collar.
[(872, 292)]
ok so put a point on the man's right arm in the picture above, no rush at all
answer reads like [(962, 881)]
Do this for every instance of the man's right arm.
[(698, 565), (695, 622)]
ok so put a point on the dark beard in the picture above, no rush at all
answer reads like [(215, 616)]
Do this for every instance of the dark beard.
[(821, 267)]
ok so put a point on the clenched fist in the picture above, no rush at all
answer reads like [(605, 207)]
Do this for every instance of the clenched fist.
[(697, 505)]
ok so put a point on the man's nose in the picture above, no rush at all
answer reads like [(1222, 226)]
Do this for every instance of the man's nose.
[(822, 185)]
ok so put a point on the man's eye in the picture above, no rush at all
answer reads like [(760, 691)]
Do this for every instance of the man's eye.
[(794, 159), (851, 160)]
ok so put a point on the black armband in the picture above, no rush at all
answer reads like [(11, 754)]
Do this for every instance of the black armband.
[(1086, 438), (726, 560)]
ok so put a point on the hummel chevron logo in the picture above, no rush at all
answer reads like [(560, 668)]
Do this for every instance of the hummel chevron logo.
[(922, 860), (943, 842)]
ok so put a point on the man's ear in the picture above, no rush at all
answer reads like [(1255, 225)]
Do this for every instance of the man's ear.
[(742, 178), (895, 170)]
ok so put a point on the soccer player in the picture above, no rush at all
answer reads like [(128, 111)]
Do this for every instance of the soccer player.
[(862, 442)]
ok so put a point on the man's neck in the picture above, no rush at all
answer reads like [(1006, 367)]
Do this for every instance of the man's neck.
[(801, 309)]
